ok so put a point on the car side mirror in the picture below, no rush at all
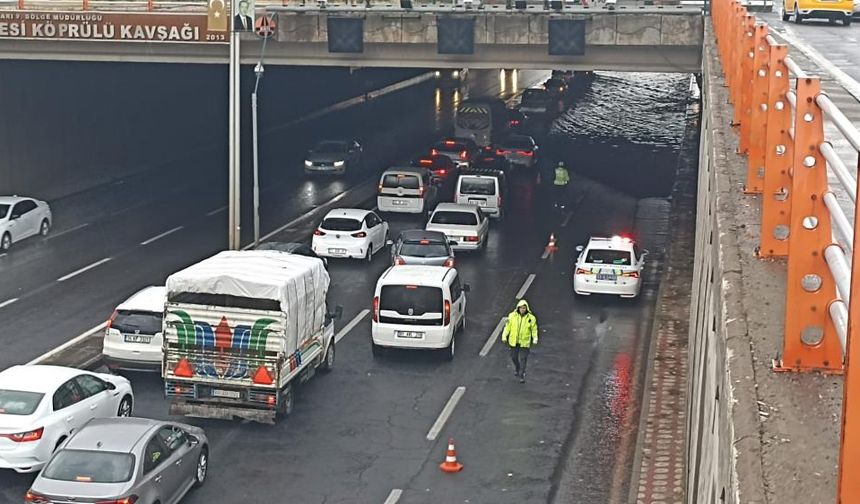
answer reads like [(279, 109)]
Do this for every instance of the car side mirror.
[(580, 248), (452, 243), (192, 440), (389, 243), (110, 386), (467, 288)]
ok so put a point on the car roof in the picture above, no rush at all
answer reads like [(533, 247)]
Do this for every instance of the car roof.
[(610, 243), (150, 298), (11, 200), (422, 234), (334, 141), (36, 378), (456, 207), (414, 170), (347, 213), (414, 275), (119, 434)]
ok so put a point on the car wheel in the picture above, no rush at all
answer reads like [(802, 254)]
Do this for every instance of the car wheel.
[(125, 407), (6, 242), (785, 15), (328, 360), (846, 21), (798, 19), (369, 256), (45, 227), (202, 467), (286, 408), (449, 350)]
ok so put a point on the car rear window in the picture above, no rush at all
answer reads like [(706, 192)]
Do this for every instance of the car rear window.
[(517, 143), (534, 95), (395, 180), (478, 186), (129, 321), (411, 299), (424, 248), (340, 224), (454, 218), (87, 466), (605, 256), (18, 402)]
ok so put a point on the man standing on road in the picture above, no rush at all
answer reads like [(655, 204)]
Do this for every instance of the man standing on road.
[(559, 184), (520, 334)]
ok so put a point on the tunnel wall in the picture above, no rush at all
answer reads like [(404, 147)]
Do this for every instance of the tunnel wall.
[(724, 443)]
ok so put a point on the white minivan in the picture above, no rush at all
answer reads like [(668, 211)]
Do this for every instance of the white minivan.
[(406, 190), (133, 337), (420, 307), (481, 190)]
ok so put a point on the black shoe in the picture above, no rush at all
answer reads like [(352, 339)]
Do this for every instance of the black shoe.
[(516, 374), (522, 378)]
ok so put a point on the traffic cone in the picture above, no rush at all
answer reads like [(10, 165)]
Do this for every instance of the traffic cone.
[(451, 465), (551, 246)]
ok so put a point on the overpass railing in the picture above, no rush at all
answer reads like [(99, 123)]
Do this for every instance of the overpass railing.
[(781, 128)]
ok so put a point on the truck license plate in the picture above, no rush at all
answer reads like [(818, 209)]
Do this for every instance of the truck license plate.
[(409, 334), (229, 394), (136, 338)]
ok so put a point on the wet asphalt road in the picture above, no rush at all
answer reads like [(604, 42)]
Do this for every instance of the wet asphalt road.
[(360, 432)]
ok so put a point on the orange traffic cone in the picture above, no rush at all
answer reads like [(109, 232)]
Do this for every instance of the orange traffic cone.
[(551, 246), (451, 465)]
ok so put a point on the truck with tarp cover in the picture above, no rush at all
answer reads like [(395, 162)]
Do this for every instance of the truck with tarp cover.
[(241, 329)]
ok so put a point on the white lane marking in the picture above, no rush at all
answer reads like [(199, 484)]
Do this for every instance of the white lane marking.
[(394, 496), (850, 85), (446, 412), (216, 211), (528, 283), (67, 231), (545, 253), (4, 254), (85, 268), (352, 323), (8, 302), (493, 337), (76, 339), (566, 220), (160, 236)]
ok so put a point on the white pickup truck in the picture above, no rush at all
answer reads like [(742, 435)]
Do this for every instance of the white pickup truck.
[(241, 329)]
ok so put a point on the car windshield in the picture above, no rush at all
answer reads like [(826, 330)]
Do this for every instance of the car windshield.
[(605, 256), (534, 95), (411, 299), (87, 466), (454, 218), (4, 209), (395, 180), (340, 224), (336, 147), (143, 322), (17, 402), (424, 248), (480, 186)]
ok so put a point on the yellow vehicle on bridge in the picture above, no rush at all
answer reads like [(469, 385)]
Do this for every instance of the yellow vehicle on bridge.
[(831, 10)]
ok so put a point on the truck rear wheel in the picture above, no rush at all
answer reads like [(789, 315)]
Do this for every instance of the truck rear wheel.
[(286, 407), (328, 359)]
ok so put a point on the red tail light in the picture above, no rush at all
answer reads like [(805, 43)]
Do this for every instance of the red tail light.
[(580, 271), (398, 261), (441, 173), (464, 154), (183, 369), (262, 376), (449, 142), (471, 238), (110, 320), (500, 152), (24, 437), (36, 498), (447, 312), (449, 263), (631, 274), (360, 234), (131, 499), (376, 309), (270, 400), (525, 153), (514, 122), (318, 233)]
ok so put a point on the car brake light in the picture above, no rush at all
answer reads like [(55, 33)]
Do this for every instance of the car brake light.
[(376, 309), (131, 499), (426, 162), (360, 234), (631, 274), (449, 142), (441, 172), (464, 154), (581, 271), (471, 238), (24, 437), (500, 152), (183, 369), (399, 261), (525, 153), (424, 242), (36, 498), (318, 233), (514, 122), (449, 263), (110, 320), (262, 376), (447, 312)]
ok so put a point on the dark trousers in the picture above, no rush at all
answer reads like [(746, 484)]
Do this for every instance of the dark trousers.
[(520, 357)]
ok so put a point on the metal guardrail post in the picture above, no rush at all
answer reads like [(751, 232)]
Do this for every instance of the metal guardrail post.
[(745, 81), (810, 341), (754, 128), (778, 156)]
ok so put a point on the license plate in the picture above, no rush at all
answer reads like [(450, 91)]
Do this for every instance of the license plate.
[(136, 338), (398, 202), (409, 334), (607, 276), (229, 394), (336, 251), (479, 202)]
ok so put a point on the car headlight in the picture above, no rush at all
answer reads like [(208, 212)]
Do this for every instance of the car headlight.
[(308, 163), (339, 163), (438, 74), (456, 74)]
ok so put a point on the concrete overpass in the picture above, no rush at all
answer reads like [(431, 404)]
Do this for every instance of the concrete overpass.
[(657, 38)]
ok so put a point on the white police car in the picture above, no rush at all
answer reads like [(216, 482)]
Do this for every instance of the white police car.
[(609, 266)]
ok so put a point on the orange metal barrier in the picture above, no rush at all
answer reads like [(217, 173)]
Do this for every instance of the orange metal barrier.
[(781, 131)]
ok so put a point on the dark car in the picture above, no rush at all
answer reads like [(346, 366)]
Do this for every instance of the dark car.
[(460, 150), (516, 119), (291, 248), (333, 157), (440, 165), (490, 161), (555, 87), (417, 246)]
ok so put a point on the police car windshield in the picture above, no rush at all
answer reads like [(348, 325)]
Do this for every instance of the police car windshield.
[(605, 256)]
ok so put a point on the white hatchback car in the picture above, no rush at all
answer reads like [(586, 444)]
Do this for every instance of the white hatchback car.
[(41, 406), (466, 226), (350, 232), (609, 266), (133, 337), (22, 218)]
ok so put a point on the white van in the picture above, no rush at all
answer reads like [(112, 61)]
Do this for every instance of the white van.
[(483, 190), (419, 307), (406, 190)]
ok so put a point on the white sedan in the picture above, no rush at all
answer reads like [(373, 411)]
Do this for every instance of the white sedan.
[(466, 226), (609, 266), (41, 406), (22, 218), (350, 232)]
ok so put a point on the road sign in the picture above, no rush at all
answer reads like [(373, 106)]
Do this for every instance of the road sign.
[(265, 26)]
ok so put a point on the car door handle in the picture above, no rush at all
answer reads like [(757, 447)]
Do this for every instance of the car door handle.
[(93, 407), (69, 419)]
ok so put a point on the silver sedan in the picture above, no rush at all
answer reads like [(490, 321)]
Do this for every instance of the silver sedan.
[(133, 460)]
